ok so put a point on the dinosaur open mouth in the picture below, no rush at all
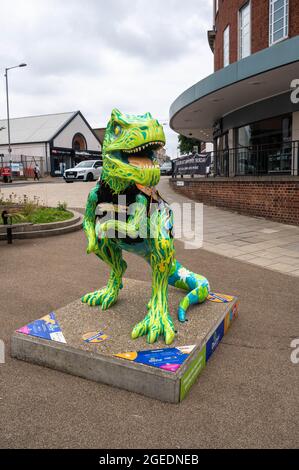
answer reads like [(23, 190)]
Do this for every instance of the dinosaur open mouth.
[(145, 155)]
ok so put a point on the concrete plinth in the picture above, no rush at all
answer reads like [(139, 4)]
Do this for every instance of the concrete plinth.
[(97, 361)]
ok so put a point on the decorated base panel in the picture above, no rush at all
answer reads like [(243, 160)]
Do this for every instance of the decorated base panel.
[(96, 344)]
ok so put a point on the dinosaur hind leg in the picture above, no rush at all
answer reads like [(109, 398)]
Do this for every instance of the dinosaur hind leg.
[(158, 320), (110, 253)]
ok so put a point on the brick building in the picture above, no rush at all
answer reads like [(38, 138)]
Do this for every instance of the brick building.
[(249, 106), (229, 14)]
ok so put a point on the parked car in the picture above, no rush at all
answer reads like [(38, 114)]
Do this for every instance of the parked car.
[(88, 170), (166, 168)]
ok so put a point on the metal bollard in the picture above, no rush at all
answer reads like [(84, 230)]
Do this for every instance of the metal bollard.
[(5, 217)]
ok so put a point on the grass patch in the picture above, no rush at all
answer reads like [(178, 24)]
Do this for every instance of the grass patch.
[(43, 215), (23, 209)]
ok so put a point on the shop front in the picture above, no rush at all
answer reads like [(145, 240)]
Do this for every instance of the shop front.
[(63, 159), (263, 147), (72, 144)]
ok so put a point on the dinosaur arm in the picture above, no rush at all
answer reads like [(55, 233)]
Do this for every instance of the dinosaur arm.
[(89, 219), (137, 220)]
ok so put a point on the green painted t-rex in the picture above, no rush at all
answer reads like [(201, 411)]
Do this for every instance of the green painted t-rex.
[(142, 223)]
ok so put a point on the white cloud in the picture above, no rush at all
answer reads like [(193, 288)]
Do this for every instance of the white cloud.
[(94, 55)]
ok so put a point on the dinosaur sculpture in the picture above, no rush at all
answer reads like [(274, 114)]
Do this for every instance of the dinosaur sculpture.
[(142, 224)]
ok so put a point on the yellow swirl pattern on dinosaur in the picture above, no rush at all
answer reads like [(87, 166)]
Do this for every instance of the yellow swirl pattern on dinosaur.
[(130, 167)]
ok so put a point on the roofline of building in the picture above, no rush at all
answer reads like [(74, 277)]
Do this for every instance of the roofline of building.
[(90, 128), (268, 59), (64, 125), (38, 115), (73, 114), (57, 132), (77, 113)]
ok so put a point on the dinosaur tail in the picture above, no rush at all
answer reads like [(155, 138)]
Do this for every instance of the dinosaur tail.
[(197, 286)]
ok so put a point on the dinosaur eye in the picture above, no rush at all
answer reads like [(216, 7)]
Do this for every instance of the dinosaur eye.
[(117, 130)]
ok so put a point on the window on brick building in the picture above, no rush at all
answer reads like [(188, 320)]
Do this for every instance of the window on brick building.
[(265, 146), (226, 47), (278, 21), (244, 31)]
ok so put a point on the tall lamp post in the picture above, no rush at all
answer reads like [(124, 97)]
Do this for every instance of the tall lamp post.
[(7, 101)]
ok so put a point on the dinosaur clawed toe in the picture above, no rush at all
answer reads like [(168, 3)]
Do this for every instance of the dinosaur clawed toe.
[(154, 325), (104, 297)]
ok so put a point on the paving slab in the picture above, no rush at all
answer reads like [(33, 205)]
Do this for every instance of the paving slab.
[(169, 380), (263, 261), (284, 268)]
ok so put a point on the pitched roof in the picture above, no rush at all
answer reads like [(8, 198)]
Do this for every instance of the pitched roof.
[(31, 129)]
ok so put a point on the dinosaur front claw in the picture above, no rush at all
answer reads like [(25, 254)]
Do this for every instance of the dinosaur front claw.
[(105, 297)]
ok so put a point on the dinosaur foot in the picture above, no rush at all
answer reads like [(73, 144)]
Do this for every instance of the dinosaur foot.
[(155, 323), (105, 297)]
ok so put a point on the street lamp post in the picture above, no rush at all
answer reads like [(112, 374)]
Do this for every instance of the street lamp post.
[(7, 102)]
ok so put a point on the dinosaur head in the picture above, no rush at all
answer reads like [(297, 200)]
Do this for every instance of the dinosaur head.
[(129, 150)]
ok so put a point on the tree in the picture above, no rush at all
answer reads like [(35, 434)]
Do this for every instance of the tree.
[(186, 144)]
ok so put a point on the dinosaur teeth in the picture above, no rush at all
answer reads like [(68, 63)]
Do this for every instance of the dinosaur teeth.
[(144, 147), (141, 162)]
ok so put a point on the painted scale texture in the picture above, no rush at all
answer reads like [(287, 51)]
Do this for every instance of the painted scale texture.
[(126, 134)]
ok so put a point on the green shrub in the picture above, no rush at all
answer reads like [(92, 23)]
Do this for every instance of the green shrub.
[(29, 208), (62, 206)]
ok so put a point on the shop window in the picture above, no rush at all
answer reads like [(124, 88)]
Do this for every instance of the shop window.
[(265, 146), (221, 155), (278, 21), (244, 31), (267, 132), (226, 46)]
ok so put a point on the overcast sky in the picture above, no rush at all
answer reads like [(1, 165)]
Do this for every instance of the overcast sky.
[(94, 55)]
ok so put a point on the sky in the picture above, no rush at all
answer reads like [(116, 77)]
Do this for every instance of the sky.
[(94, 55)]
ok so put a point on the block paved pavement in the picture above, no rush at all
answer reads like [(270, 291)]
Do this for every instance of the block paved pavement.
[(254, 240)]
